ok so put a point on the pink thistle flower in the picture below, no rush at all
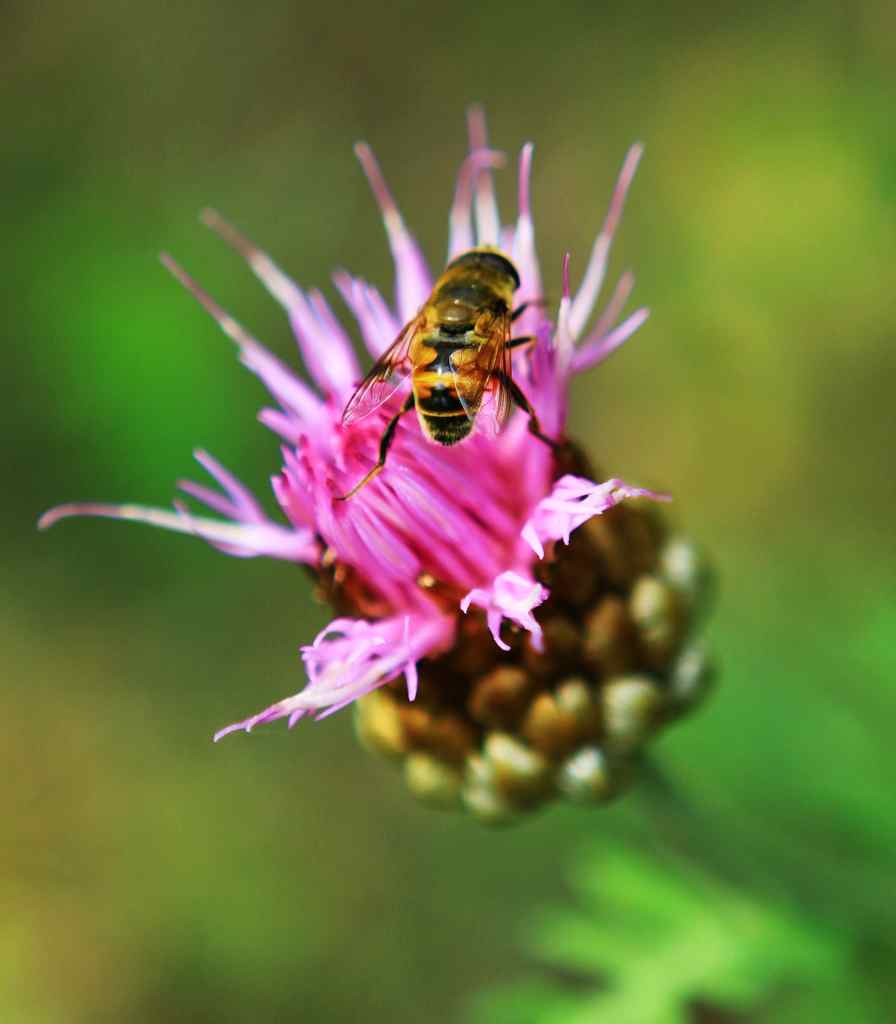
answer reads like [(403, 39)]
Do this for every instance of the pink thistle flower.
[(440, 531)]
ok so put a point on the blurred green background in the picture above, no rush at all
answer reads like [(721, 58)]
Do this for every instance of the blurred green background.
[(147, 875)]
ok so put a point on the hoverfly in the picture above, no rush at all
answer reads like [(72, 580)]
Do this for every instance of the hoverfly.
[(454, 350)]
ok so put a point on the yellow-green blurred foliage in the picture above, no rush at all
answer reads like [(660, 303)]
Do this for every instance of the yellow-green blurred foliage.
[(147, 875)]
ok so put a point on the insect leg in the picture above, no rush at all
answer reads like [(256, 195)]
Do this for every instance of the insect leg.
[(528, 339), (385, 444), (518, 312), (518, 398)]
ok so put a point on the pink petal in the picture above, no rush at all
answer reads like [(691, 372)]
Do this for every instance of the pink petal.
[(243, 505), (597, 264), (245, 540), (523, 251), (217, 502), (326, 348), (283, 424), (596, 351), (614, 307), (412, 278), (510, 596), (485, 206), (379, 328), (572, 501), (278, 379), (351, 657), (460, 232), (410, 668), (290, 392), (563, 338), (337, 368)]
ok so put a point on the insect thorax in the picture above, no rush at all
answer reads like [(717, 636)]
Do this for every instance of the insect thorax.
[(474, 283)]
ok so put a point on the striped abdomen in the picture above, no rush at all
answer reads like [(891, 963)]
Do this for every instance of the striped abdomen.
[(439, 408)]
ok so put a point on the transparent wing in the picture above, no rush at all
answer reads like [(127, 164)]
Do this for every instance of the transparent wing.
[(488, 367), (389, 372), (503, 401)]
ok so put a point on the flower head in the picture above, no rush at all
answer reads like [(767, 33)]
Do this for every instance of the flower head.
[(446, 545)]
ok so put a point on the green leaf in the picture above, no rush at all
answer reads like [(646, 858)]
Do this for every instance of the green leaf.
[(650, 938)]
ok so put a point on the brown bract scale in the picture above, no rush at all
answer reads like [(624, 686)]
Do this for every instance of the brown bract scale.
[(499, 733)]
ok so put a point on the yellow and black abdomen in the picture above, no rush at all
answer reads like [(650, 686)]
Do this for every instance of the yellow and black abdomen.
[(439, 408)]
